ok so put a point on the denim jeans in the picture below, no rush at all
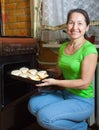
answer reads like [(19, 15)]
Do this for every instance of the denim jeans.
[(61, 110)]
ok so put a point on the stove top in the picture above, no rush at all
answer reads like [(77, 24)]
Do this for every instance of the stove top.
[(17, 45)]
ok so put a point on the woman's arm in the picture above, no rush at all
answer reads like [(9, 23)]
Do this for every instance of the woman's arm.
[(87, 74)]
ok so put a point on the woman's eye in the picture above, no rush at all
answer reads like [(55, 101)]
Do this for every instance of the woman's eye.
[(70, 22), (79, 23)]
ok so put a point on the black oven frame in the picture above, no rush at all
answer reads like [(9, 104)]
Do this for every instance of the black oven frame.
[(19, 61)]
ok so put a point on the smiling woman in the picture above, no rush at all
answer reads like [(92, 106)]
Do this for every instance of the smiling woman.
[(77, 60)]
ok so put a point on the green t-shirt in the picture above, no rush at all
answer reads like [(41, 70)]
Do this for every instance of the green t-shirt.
[(70, 66)]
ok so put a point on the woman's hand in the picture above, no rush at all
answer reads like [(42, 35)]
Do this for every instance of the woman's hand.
[(47, 82)]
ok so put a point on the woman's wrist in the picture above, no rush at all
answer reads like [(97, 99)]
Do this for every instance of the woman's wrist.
[(56, 81)]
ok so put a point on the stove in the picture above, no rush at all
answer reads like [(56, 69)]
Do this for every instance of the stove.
[(15, 52)]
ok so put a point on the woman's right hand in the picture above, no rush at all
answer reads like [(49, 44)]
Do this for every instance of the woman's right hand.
[(47, 82)]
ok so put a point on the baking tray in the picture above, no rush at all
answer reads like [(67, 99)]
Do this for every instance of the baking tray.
[(30, 81)]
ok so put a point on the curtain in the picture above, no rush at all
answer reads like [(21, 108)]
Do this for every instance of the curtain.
[(52, 19), (35, 9)]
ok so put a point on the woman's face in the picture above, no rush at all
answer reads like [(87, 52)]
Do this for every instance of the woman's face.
[(76, 26)]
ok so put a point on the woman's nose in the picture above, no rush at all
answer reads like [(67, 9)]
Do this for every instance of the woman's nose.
[(75, 26)]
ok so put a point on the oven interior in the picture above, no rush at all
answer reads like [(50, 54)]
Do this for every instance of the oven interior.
[(13, 89)]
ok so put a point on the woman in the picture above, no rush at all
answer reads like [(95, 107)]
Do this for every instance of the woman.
[(68, 109)]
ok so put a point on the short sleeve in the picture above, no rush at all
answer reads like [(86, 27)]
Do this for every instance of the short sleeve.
[(90, 49)]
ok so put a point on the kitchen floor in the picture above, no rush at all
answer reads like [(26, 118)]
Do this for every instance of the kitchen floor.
[(35, 126)]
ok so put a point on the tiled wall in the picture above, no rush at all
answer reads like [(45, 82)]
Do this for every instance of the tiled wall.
[(16, 17)]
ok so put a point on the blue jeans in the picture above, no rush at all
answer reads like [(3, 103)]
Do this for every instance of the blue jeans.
[(61, 110)]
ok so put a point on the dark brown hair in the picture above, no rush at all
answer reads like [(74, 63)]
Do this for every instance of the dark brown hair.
[(83, 12)]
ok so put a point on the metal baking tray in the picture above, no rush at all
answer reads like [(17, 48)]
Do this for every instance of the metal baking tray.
[(30, 81)]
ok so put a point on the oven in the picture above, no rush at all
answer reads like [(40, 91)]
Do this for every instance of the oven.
[(15, 53), (12, 89)]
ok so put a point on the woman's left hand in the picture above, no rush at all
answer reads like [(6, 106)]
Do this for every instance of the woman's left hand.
[(47, 82)]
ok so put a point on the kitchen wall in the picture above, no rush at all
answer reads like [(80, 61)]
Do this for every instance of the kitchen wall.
[(16, 17)]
